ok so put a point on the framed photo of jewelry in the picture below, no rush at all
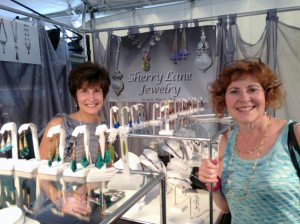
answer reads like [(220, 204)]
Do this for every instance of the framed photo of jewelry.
[(19, 42)]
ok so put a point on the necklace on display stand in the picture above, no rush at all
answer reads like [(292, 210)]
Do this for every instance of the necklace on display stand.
[(3, 35), (27, 38), (172, 150), (14, 27)]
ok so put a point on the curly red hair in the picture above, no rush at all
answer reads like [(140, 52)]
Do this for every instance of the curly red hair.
[(240, 69)]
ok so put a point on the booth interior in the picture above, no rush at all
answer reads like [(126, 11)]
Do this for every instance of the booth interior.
[(161, 57)]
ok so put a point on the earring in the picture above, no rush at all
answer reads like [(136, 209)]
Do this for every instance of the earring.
[(26, 149), (130, 120), (111, 150), (73, 162), (57, 156), (99, 161), (23, 145), (116, 121), (107, 157), (8, 145), (84, 162), (49, 154), (2, 146)]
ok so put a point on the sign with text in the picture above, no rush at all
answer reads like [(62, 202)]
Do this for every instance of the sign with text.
[(149, 69)]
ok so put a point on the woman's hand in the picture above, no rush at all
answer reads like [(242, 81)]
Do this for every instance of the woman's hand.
[(208, 171), (76, 203)]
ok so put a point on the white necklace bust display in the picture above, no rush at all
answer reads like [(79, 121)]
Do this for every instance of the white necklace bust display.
[(173, 148), (150, 159)]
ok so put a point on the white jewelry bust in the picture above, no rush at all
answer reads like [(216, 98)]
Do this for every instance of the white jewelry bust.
[(150, 159)]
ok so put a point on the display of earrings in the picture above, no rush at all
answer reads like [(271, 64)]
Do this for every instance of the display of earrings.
[(3, 35), (117, 83), (108, 156), (203, 53), (27, 38), (14, 27), (23, 145), (6, 145)]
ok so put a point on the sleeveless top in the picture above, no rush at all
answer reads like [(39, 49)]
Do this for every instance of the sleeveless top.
[(271, 194), (69, 125)]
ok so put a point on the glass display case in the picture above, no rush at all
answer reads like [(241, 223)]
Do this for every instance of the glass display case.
[(178, 154), (54, 200)]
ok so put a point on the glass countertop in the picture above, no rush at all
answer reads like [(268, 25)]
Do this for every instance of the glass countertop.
[(53, 199)]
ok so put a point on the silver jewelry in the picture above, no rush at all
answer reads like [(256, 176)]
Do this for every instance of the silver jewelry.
[(175, 151), (153, 163)]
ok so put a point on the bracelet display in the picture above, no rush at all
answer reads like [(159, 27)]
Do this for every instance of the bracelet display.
[(216, 187)]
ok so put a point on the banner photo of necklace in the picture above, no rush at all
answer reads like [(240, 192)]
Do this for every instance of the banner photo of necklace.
[(22, 40)]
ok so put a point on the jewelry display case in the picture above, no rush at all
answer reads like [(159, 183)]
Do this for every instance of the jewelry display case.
[(194, 137), (58, 201)]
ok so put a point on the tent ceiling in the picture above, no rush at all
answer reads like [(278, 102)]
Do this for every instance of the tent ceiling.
[(58, 8)]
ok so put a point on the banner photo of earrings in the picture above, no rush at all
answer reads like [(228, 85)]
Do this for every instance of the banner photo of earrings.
[(179, 47), (22, 40)]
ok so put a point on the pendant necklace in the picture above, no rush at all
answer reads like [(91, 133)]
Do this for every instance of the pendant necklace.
[(3, 35), (258, 150), (27, 38), (14, 27)]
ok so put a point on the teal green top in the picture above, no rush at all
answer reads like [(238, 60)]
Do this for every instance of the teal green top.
[(273, 194)]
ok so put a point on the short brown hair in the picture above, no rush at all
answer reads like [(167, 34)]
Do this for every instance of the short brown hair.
[(90, 73), (269, 81)]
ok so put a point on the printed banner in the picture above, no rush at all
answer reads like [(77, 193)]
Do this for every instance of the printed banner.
[(19, 42), (153, 66)]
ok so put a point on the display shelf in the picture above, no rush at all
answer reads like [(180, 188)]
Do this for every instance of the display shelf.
[(40, 209), (197, 137)]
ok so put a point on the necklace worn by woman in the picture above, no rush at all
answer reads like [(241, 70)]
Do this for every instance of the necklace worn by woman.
[(79, 119), (258, 150)]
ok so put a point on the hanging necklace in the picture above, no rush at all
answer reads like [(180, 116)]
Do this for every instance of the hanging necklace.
[(14, 27), (176, 152), (27, 38), (258, 145), (79, 119), (258, 149), (153, 163), (3, 35)]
